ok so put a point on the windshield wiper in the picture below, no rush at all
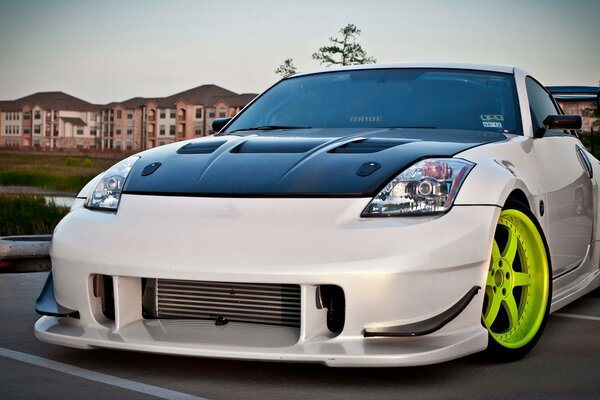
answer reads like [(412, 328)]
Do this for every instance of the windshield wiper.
[(270, 128)]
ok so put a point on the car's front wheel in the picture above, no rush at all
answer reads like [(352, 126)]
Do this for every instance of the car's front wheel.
[(518, 286)]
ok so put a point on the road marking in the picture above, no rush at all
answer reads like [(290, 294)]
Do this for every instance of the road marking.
[(97, 376), (577, 316)]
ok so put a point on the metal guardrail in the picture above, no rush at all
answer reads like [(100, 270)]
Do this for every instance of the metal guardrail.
[(25, 253)]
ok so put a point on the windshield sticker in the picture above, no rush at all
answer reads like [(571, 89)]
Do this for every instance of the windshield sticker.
[(488, 124), (492, 117), (366, 118)]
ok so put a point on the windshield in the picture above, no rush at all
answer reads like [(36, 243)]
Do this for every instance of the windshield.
[(388, 98)]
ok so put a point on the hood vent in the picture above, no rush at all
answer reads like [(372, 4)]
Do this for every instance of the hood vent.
[(369, 145), (201, 147), (278, 145)]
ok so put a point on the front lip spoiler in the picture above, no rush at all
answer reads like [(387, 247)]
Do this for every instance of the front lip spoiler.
[(427, 326), (46, 304)]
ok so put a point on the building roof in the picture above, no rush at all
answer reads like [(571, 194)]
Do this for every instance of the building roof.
[(201, 95), (73, 121), (4, 104), (134, 102), (241, 99), (205, 94), (50, 101)]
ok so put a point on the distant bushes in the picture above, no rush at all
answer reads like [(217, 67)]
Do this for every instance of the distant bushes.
[(28, 215), (44, 180), (50, 172), (78, 162)]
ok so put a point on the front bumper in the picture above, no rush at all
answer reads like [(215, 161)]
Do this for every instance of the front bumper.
[(394, 272)]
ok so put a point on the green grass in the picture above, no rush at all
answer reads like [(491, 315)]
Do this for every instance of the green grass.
[(59, 173), (28, 215)]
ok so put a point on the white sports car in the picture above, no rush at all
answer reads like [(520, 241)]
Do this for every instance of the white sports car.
[(383, 215)]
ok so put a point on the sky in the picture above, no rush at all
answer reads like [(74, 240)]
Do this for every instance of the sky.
[(112, 50)]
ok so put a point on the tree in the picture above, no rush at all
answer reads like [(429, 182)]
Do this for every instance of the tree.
[(344, 51), (287, 68)]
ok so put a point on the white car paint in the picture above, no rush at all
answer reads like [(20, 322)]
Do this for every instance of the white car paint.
[(393, 270)]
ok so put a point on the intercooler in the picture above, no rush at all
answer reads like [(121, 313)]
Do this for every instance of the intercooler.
[(259, 303)]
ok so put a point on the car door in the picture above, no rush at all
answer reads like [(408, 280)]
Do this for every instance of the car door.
[(567, 175)]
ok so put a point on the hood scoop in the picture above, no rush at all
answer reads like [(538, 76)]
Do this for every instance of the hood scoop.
[(278, 145), (364, 146), (201, 147)]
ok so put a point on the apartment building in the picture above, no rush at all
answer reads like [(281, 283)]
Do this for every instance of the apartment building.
[(48, 119), (581, 100), (56, 120)]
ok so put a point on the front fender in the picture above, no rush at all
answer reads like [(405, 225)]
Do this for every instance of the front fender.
[(490, 183)]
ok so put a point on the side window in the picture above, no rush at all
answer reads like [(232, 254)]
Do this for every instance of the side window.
[(540, 105)]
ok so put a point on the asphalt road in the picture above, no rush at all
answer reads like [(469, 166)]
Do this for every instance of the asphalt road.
[(564, 365)]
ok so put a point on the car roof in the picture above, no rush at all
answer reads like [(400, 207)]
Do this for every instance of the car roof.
[(507, 69)]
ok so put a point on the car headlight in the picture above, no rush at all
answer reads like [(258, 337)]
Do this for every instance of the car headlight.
[(107, 193), (427, 187)]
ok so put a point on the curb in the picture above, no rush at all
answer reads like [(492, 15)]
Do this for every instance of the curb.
[(19, 254)]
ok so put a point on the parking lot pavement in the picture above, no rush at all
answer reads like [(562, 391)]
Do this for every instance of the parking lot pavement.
[(565, 364)]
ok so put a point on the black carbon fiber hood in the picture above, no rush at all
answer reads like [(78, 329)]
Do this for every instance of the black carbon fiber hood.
[(293, 163)]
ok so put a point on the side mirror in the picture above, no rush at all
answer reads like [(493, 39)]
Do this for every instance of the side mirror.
[(219, 123), (563, 122), (560, 122)]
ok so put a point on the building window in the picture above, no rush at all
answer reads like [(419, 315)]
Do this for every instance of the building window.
[(79, 130), (93, 116), (118, 130), (129, 131), (118, 114), (129, 145), (37, 114), (162, 114), (171, 129), (222, 112), (162, 129), (26, 115), (37, 129), (211, 113), (26, 129), (129, 114), (199, 113), (198, 131), (93, 131)]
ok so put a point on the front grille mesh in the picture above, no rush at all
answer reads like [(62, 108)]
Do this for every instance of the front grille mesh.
[(260, 303)]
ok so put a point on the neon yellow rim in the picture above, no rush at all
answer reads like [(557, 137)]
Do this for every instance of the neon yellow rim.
[(517, 287)]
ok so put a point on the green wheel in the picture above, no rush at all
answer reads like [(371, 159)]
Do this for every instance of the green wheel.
[(518, 286)]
